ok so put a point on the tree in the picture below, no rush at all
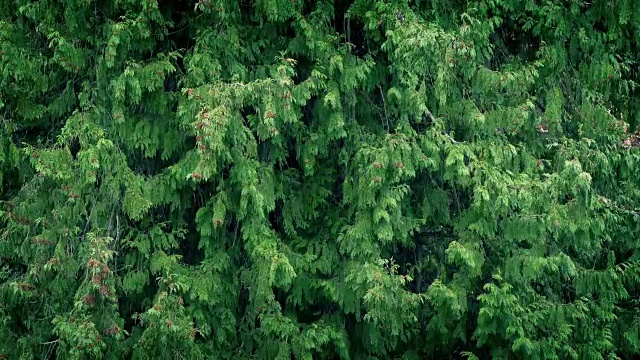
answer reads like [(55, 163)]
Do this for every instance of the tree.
[(319, 179)]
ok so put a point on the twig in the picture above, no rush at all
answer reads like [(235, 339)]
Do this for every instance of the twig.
[(377, 107), (384, 104), (50, 351), (452, 140), (86, 225), (235, 236), (117, 228)]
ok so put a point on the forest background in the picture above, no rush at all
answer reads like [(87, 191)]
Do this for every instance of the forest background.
[(278, 179)]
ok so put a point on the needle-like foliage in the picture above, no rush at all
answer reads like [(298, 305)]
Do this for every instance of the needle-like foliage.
[(331, 179)]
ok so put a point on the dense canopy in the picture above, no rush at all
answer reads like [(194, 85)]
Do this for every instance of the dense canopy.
[(331, 179)]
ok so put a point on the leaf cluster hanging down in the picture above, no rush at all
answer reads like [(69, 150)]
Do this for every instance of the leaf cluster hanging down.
[(331, 179)]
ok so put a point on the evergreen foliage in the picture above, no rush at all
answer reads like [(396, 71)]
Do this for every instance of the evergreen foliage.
[(331, 179)]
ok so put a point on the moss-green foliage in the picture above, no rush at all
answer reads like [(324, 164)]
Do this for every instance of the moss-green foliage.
[(277, 179)]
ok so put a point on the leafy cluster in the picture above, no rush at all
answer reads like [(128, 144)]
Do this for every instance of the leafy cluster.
[(339, 179)]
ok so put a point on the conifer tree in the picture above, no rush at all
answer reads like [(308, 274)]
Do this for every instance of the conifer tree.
[(331, 179)]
